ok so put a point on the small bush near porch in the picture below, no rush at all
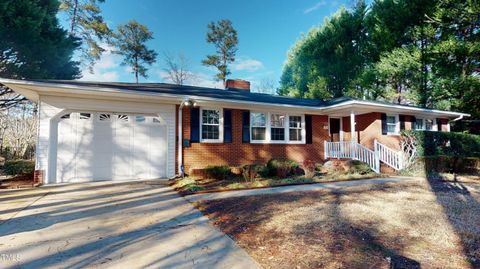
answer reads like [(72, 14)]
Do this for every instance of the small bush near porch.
[(276, 172)]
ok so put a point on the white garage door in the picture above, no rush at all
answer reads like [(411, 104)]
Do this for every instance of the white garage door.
[(110, 146)]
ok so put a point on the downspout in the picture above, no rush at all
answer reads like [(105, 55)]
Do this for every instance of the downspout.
[(185, 102), (180, 139), (459, 118), (456, 119)]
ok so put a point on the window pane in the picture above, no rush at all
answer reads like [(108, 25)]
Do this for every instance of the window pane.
[(295, 134), (391, 128), (104, 117), (140, 118), (419, 124), (429, 124), (295, 122), (277, 120), (122, 118), (278, 134), (258, 133), (210, 132), (390, 119), (85, 116), (258, 119), (210, 117)]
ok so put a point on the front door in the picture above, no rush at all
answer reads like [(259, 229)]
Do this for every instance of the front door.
[(334, 130)]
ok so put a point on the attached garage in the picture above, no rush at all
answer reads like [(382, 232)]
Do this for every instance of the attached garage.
[(96, 146)]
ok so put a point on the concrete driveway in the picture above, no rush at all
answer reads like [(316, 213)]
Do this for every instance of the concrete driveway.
[(107, 225)]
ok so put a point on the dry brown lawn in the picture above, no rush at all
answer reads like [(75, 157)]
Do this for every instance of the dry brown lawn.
[(413, 224)]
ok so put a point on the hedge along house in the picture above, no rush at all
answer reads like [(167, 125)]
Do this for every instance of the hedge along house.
[(91, 131)]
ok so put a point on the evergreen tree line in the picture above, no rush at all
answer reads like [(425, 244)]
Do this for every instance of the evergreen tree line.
[(417, 52)]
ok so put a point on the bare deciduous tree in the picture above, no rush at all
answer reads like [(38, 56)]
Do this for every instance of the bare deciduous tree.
[(267, 85), (17, 129), (177, 68), (8, 98)]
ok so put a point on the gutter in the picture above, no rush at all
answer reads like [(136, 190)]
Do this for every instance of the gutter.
[(459, 118)]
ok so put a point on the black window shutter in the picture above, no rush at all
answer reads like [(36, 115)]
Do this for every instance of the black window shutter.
[(401, 118), (227, 126), (246, 127), (308, 129), (439, 125), (384, 124), (414, 123), (195, 125)]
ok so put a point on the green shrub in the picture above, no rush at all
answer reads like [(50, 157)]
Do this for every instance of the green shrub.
[(219, 172), (18, 167), (281, 167), (251, 171), (430, 143), (359, 167)]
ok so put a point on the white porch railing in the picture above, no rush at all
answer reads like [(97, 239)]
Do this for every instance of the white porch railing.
[(352, 150), (356, 151), (390, 157)]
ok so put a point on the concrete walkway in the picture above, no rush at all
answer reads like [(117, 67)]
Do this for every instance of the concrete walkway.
[(105, 225), (283, 189)]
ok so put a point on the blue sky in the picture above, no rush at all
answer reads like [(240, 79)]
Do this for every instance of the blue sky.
[(266, 31)]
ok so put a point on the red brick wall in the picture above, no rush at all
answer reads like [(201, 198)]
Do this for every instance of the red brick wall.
[(200, 155), (369, 128)]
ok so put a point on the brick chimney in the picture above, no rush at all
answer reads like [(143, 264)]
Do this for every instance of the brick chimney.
[(237, 84)]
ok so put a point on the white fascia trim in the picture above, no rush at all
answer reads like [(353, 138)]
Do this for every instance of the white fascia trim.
[(416, 109)]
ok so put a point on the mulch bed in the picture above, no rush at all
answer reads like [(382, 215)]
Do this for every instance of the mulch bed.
[(23, 181)]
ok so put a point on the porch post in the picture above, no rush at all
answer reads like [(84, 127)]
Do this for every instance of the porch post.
[(352, 126)]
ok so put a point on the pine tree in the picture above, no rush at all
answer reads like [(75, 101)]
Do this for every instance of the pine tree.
[(224, 37), (88, 25), (130, 43)]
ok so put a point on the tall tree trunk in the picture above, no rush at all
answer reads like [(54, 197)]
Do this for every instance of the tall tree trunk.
[(74, 17), (423, 60)]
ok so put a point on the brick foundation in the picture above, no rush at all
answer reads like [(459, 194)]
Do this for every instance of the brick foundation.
[(38, 176)]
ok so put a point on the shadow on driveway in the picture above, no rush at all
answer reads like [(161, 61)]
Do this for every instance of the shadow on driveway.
[(137, 225)]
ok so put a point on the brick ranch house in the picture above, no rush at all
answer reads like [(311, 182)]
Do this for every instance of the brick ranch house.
[(90, 131)]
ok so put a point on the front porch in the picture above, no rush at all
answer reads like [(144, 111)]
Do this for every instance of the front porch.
[(365, 136), (356, 151)]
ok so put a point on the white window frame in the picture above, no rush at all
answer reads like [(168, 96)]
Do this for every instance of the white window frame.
[(422, 128), (267, 128), (220, 125), (286, 126), (302, 129), (285, 122), (397, 124), (434, 124)]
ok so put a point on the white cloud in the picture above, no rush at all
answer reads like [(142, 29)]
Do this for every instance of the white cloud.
[(247, 64), (315, 7), (105, 69)]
